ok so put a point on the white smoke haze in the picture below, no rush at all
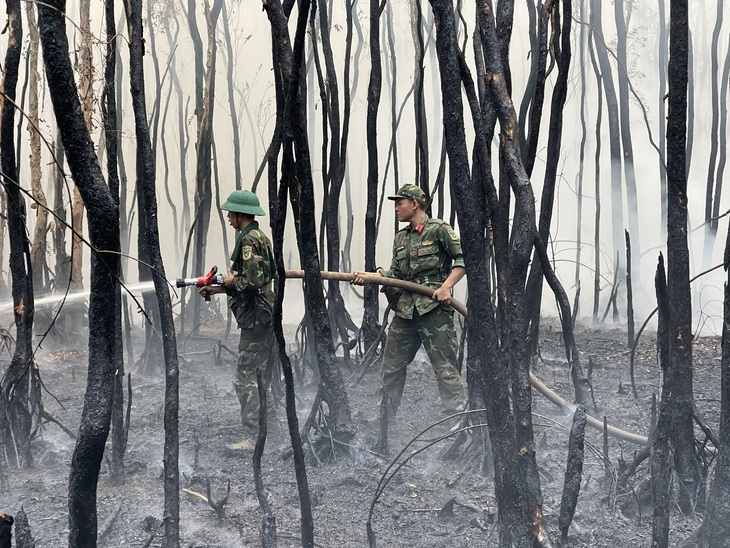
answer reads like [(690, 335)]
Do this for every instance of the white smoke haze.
[(254, 97)]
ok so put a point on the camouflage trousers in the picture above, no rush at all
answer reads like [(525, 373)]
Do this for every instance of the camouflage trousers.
[(435, 330), (256, 350)]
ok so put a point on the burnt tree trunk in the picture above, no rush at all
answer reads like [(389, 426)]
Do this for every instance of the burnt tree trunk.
[(597, 181), (661, 462), (370, 321), (104, 235), (715, 529), (204, 93), (614, 133), (712, 180), (419, 104), (109, 114), (16, 382), (537, 80), (39, 246), (146, 184), (510, 480), (582, 46), (662, 115), (287, 64), (522, 238), (561, 45), (681, 397), (627, 146)]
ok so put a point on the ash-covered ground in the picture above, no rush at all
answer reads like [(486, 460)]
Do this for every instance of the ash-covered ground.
[(430, 502)]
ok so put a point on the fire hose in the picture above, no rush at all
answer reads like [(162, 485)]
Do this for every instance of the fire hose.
[(461, 309)]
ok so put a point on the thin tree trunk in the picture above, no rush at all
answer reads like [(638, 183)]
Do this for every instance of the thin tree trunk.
[(661, 462), (614, 132), (712, 180), (582, 46), (109, 113), (104, 235), (538, 81), (231, 102), (17, 378), (146, 184), (627, 147), (287, 64), (561, 44), (597, 184), (371, 313), (419, 105), (39, 246), (715, 529), (662, 116)]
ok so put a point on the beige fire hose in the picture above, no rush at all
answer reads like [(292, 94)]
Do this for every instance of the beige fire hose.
[(461, 309)]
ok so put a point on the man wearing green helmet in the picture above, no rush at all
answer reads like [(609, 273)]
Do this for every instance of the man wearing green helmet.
[(248, 285)]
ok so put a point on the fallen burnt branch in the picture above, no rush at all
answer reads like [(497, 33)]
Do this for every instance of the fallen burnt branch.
[(23, 535), (461, 309), (218, 506), (573, 472)]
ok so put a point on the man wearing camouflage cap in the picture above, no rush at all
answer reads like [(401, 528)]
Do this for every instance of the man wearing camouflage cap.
[(251, 299), (428, 252)]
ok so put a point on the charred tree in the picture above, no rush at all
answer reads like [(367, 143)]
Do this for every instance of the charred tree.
[(419, 104), (39, 245), (511, 475), (680, 400), (662, 115), (370, 321), (561, 46), (712, 179), (715, 529), (16, 382), (614, 132), (205, 93), (582, 46), (109, 117), (334, 159), (146, 184), (661, 463), (597, 182), (287, 74), (627, 146), (538, 76), (301, 192), (573, 472), (104, 235), (231, 100)]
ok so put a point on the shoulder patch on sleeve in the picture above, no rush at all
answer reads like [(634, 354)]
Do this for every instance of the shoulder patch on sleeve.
[(453, 235), (247, 252)]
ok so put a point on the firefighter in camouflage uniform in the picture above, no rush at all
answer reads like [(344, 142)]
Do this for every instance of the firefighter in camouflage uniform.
[(249, 286), (427, 252)]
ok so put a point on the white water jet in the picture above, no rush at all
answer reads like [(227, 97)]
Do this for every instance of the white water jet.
[(133, 289)]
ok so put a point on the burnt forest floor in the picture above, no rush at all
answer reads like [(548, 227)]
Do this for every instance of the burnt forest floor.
[(430, 502)]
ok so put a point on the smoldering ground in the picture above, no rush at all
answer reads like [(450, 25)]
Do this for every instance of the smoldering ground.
[(430, 501)]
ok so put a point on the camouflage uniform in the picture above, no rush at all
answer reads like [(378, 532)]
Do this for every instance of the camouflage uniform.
[(252, 302), (424, 255)]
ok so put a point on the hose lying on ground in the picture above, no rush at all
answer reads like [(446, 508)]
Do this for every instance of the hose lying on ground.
[(461, 309)]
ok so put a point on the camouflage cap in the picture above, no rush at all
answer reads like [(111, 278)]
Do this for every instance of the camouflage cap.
[(410, 192)]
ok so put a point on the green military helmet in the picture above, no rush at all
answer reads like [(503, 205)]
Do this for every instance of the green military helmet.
[(243, 201)]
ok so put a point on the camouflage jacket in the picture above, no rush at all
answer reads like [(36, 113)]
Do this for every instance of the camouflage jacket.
[(424, 255), (251, 299)]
